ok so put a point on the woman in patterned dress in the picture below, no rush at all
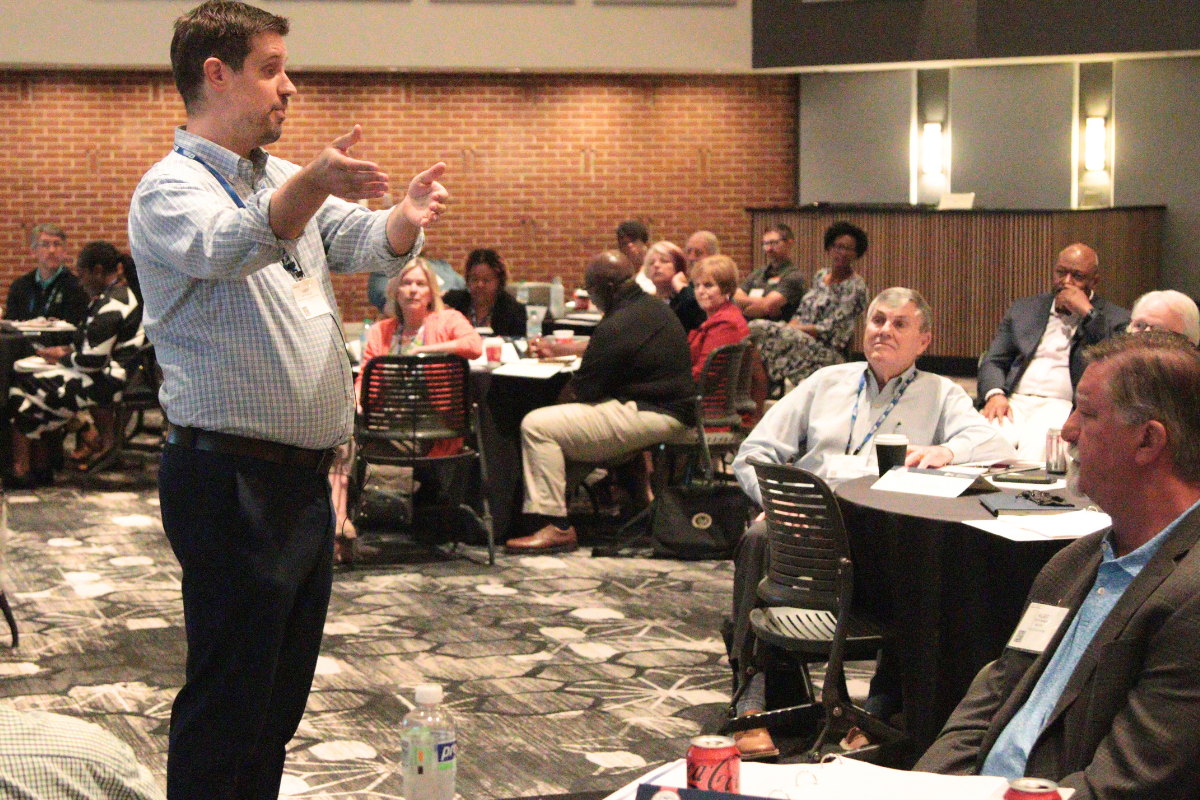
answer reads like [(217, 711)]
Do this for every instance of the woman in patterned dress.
[(90, 373), (820, 331)]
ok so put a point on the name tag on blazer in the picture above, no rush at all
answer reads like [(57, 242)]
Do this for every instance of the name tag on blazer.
[(1037, 627)]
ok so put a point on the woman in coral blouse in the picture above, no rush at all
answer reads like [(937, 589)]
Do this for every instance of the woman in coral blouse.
[(417, 322), (715, 279)]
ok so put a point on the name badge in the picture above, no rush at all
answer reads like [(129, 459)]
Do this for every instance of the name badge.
[(757, 292), (310, 298), (1037, 627), (848, 467)]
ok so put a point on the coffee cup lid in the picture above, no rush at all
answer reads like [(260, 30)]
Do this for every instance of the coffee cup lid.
[(891, 438)]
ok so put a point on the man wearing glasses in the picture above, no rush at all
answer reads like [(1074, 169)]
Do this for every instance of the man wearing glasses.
[(50, 290)]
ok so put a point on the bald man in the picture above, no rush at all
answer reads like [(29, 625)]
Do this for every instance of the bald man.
[(699, 246), (1028, 376), (1166, 311)]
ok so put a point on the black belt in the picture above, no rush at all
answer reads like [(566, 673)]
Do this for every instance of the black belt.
[(276, 453)]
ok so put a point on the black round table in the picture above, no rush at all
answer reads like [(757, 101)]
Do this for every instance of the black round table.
[(503, 403), (952, 593)]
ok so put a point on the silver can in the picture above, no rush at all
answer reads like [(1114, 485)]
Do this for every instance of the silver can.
[(1056, 452)]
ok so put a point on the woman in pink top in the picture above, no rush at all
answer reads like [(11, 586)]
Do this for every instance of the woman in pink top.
[(417, 322)]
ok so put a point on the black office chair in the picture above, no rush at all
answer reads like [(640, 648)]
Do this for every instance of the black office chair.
[(808, 592), (408, 404), (128, 415)]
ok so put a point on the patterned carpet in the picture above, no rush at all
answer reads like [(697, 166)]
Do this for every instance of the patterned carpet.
[(563, 673)]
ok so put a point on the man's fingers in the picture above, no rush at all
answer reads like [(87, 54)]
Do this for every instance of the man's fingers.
[(431, 175), (348, 140)]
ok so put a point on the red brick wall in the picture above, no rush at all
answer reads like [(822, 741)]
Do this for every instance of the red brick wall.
[(541, 167)]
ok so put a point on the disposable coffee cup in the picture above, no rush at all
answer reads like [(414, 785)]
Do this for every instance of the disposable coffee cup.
[(564, 334), (891, 450), (492, 348)]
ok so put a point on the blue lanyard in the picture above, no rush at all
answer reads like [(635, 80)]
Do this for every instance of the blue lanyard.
[(862, 384), (287, 261)]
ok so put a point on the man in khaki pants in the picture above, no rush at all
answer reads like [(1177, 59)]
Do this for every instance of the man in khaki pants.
[(634, 389)]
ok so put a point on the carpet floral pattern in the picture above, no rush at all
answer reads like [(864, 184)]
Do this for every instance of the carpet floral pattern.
[(564, 673)]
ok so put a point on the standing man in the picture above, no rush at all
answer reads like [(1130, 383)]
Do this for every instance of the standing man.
[(50, 290), (234, 250), (1028, 374), (1099, 686), (773, 292)]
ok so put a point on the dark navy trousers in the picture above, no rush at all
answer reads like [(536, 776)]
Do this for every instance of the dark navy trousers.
[(255, 541)]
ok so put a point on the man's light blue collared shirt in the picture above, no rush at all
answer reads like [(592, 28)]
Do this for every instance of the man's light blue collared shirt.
[(1008, 756)]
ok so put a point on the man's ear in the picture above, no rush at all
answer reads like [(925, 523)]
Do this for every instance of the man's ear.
[(1152, 444), (926, 340), (216, 73)]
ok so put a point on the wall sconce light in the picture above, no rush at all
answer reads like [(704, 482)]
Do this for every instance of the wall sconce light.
[(931, 149), (1095, 144)]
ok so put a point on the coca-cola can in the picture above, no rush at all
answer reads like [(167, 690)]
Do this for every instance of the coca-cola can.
[(714, 764), (1031, 789)]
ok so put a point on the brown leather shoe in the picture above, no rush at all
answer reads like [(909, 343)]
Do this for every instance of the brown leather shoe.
[(550, 539), (755, 743)]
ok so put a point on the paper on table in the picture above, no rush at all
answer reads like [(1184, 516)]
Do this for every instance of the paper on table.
[(1034, 527), (929, 482), (1005, 529), (528, 368), (1070, 525), (837, 779)]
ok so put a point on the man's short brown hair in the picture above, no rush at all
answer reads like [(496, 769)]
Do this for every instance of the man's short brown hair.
[(223, 29), (49, 229), (1157, 377)]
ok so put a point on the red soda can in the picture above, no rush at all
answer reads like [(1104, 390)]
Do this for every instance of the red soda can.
[(1031, 789), (714, 764)]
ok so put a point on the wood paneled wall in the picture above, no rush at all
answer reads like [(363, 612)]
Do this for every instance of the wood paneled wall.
[(970, 265)]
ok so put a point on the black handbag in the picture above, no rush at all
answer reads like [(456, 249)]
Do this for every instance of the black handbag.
[(698, 521)]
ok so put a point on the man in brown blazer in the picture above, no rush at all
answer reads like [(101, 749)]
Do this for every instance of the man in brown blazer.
[(1099, 687)]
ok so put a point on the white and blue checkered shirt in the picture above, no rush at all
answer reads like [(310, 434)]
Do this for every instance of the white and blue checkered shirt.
[(53, 757), (236, 352)]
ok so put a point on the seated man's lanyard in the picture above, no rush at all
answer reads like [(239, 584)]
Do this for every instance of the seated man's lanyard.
[(288, 262), (51, 297), (862, 384)]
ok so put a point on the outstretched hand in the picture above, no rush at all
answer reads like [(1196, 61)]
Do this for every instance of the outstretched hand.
[(341, 175), (425, 199), (928, 457)]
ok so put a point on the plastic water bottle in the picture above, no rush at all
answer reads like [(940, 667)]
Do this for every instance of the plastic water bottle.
[(428, 744), (534, 315), (558, 306), (522, 293)]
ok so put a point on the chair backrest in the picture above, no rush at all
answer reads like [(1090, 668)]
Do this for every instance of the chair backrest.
[(807, 538), (419, 397), (719, 380)]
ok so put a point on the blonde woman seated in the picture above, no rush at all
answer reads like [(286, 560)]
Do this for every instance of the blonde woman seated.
[(416, 322)]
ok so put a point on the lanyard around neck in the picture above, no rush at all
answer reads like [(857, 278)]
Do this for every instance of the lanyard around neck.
[(862, 384), (287, 261)]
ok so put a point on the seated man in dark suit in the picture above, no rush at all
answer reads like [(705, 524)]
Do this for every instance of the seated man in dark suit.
[(1099, 686), (51, 289), (634, 389), (1036, 358)]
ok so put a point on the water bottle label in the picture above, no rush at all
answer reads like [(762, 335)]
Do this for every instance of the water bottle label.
[(445, 755)]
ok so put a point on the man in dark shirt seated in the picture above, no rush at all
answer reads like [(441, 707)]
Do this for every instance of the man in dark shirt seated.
[(634, 389), (50, 290)]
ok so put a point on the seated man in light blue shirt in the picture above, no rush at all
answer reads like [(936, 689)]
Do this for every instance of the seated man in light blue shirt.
[(827, 426), (1099, 686)]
